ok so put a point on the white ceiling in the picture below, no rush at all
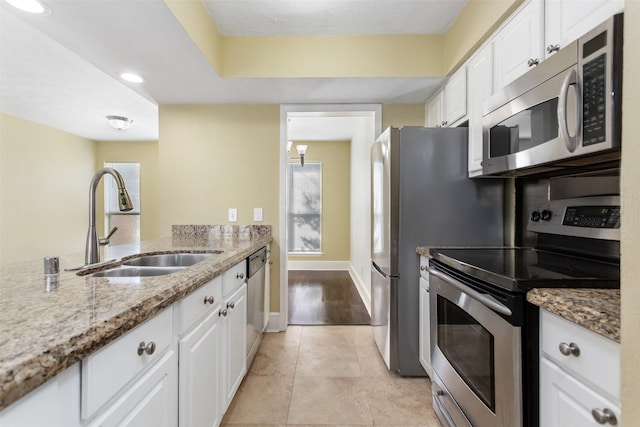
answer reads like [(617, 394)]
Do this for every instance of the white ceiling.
[(62, 70)]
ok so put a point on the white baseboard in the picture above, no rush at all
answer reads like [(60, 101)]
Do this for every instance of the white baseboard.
[(318, 265), (365, 294), (274, 323)]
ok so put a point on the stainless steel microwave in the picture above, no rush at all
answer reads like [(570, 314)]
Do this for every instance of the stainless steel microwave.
[(565, 112)]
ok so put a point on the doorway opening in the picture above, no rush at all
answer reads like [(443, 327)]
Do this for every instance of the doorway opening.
[(338, 137)]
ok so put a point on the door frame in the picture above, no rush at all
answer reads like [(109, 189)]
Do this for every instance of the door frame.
[(279, 321)]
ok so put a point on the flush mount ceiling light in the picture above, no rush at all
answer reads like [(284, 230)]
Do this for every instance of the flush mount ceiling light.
[(119, 122), (30, 6), (131, 77)]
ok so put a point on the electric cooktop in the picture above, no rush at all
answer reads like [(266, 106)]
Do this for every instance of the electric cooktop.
[(522, 269)]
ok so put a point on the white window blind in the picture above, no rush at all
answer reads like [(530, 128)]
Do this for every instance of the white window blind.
[(305, 208)]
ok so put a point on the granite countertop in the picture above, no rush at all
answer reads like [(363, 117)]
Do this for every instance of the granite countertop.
[(48, 324), (595, 309)]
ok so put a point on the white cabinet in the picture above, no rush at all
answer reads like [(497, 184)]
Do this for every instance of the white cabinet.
[(434, 111), (234, 331), (199, 398), (480, 70), (566, 20), (425, 324), (579, 375), (455, 98), (150, 401), (519, 45)]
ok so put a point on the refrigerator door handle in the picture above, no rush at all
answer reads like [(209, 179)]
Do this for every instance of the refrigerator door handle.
[(379, 270)]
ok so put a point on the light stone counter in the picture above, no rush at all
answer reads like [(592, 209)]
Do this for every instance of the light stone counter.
[(46, 325), (595, 309)]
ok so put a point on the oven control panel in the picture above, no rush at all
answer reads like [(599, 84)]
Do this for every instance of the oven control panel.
[(591, 217)]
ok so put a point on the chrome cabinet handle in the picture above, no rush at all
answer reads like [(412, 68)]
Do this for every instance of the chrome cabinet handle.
[(443, 124), (604, 416), (571, 349), (423, 268), (231, 305), (209, 300), (571, 142), (532, 62), (223, 313), (240, 276), (553, 48), (146, 348)]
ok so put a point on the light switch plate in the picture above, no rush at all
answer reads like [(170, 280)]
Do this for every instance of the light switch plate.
[(233, 215), (257, 214)]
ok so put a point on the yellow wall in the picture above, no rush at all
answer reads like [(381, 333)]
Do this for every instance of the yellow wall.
[(146, 153), (216, 157), (402, 115), (630, 270), (336, 165), (44, 190)]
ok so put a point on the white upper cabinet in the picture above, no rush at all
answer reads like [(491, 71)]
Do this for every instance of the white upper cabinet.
[(566, 20), (519, 45), (433, 113), (455, 98), (480, 70)]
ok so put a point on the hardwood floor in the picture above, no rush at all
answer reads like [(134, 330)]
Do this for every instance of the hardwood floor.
[(325, 298)]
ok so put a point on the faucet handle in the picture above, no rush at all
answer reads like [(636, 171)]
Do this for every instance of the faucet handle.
[(105, 240)]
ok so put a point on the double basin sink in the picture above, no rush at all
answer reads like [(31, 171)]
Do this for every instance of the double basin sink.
[(155, 265)]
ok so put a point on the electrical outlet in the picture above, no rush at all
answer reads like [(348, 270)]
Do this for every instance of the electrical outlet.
[(257, 214), (233, 215)]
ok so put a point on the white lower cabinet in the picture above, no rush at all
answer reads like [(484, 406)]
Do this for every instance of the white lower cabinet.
[(579, 375), (234, 343), (425, 318), (199, 401)]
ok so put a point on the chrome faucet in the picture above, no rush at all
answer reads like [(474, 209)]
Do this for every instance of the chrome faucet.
[(92, 254)]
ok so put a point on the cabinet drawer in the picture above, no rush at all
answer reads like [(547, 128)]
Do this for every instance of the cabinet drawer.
[(198, 304), (424, 268), (107, 371), (233, 278), (598, 362)]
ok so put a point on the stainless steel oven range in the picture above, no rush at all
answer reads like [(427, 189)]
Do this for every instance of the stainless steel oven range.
[(484, 335)]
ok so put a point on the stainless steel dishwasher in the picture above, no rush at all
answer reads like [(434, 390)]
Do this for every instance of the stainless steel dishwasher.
[(255, 302)]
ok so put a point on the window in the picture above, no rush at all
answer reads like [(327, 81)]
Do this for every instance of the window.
[(304, 207), (128, 223)]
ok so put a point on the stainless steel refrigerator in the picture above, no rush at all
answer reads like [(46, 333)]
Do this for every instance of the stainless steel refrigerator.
[(421, 196)]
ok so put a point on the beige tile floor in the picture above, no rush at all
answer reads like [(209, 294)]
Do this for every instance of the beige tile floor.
[(327, 375)]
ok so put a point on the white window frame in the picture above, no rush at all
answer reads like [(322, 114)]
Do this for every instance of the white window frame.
[(110, 183)]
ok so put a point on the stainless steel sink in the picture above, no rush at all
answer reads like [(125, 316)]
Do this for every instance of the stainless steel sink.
[(170, 260), (126, 271)]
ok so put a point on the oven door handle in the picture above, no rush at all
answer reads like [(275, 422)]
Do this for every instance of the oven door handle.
[(484, 299)]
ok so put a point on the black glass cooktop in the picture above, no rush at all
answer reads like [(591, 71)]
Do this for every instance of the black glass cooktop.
[(522, 269)]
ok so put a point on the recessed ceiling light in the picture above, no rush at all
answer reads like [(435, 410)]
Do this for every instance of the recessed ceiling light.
[(31, 6), (130, 77)]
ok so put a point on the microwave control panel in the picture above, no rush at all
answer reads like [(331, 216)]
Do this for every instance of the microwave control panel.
[(594, 101)]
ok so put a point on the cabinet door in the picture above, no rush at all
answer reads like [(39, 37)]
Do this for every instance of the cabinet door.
[(480, 69), (151, 401), (199, 379), (564, 401), (455, 97), (566, 20), (425, 327), (434, 111), (519, 44), (235, 342)]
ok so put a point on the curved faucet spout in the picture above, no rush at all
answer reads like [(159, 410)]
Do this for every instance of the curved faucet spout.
[(92, 254)]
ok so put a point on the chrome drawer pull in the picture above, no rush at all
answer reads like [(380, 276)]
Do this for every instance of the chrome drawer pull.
[(222, 313), (604, 416), (423, 268), (209, 300), (533, 62), (231, 305), (240, 276), (571, 349), (146, 348)]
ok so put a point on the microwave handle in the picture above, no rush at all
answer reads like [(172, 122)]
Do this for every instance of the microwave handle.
[(571, 142), (484, 299)]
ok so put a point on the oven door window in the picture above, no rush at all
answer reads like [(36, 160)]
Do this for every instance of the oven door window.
[(469, 348), (525, 130)]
